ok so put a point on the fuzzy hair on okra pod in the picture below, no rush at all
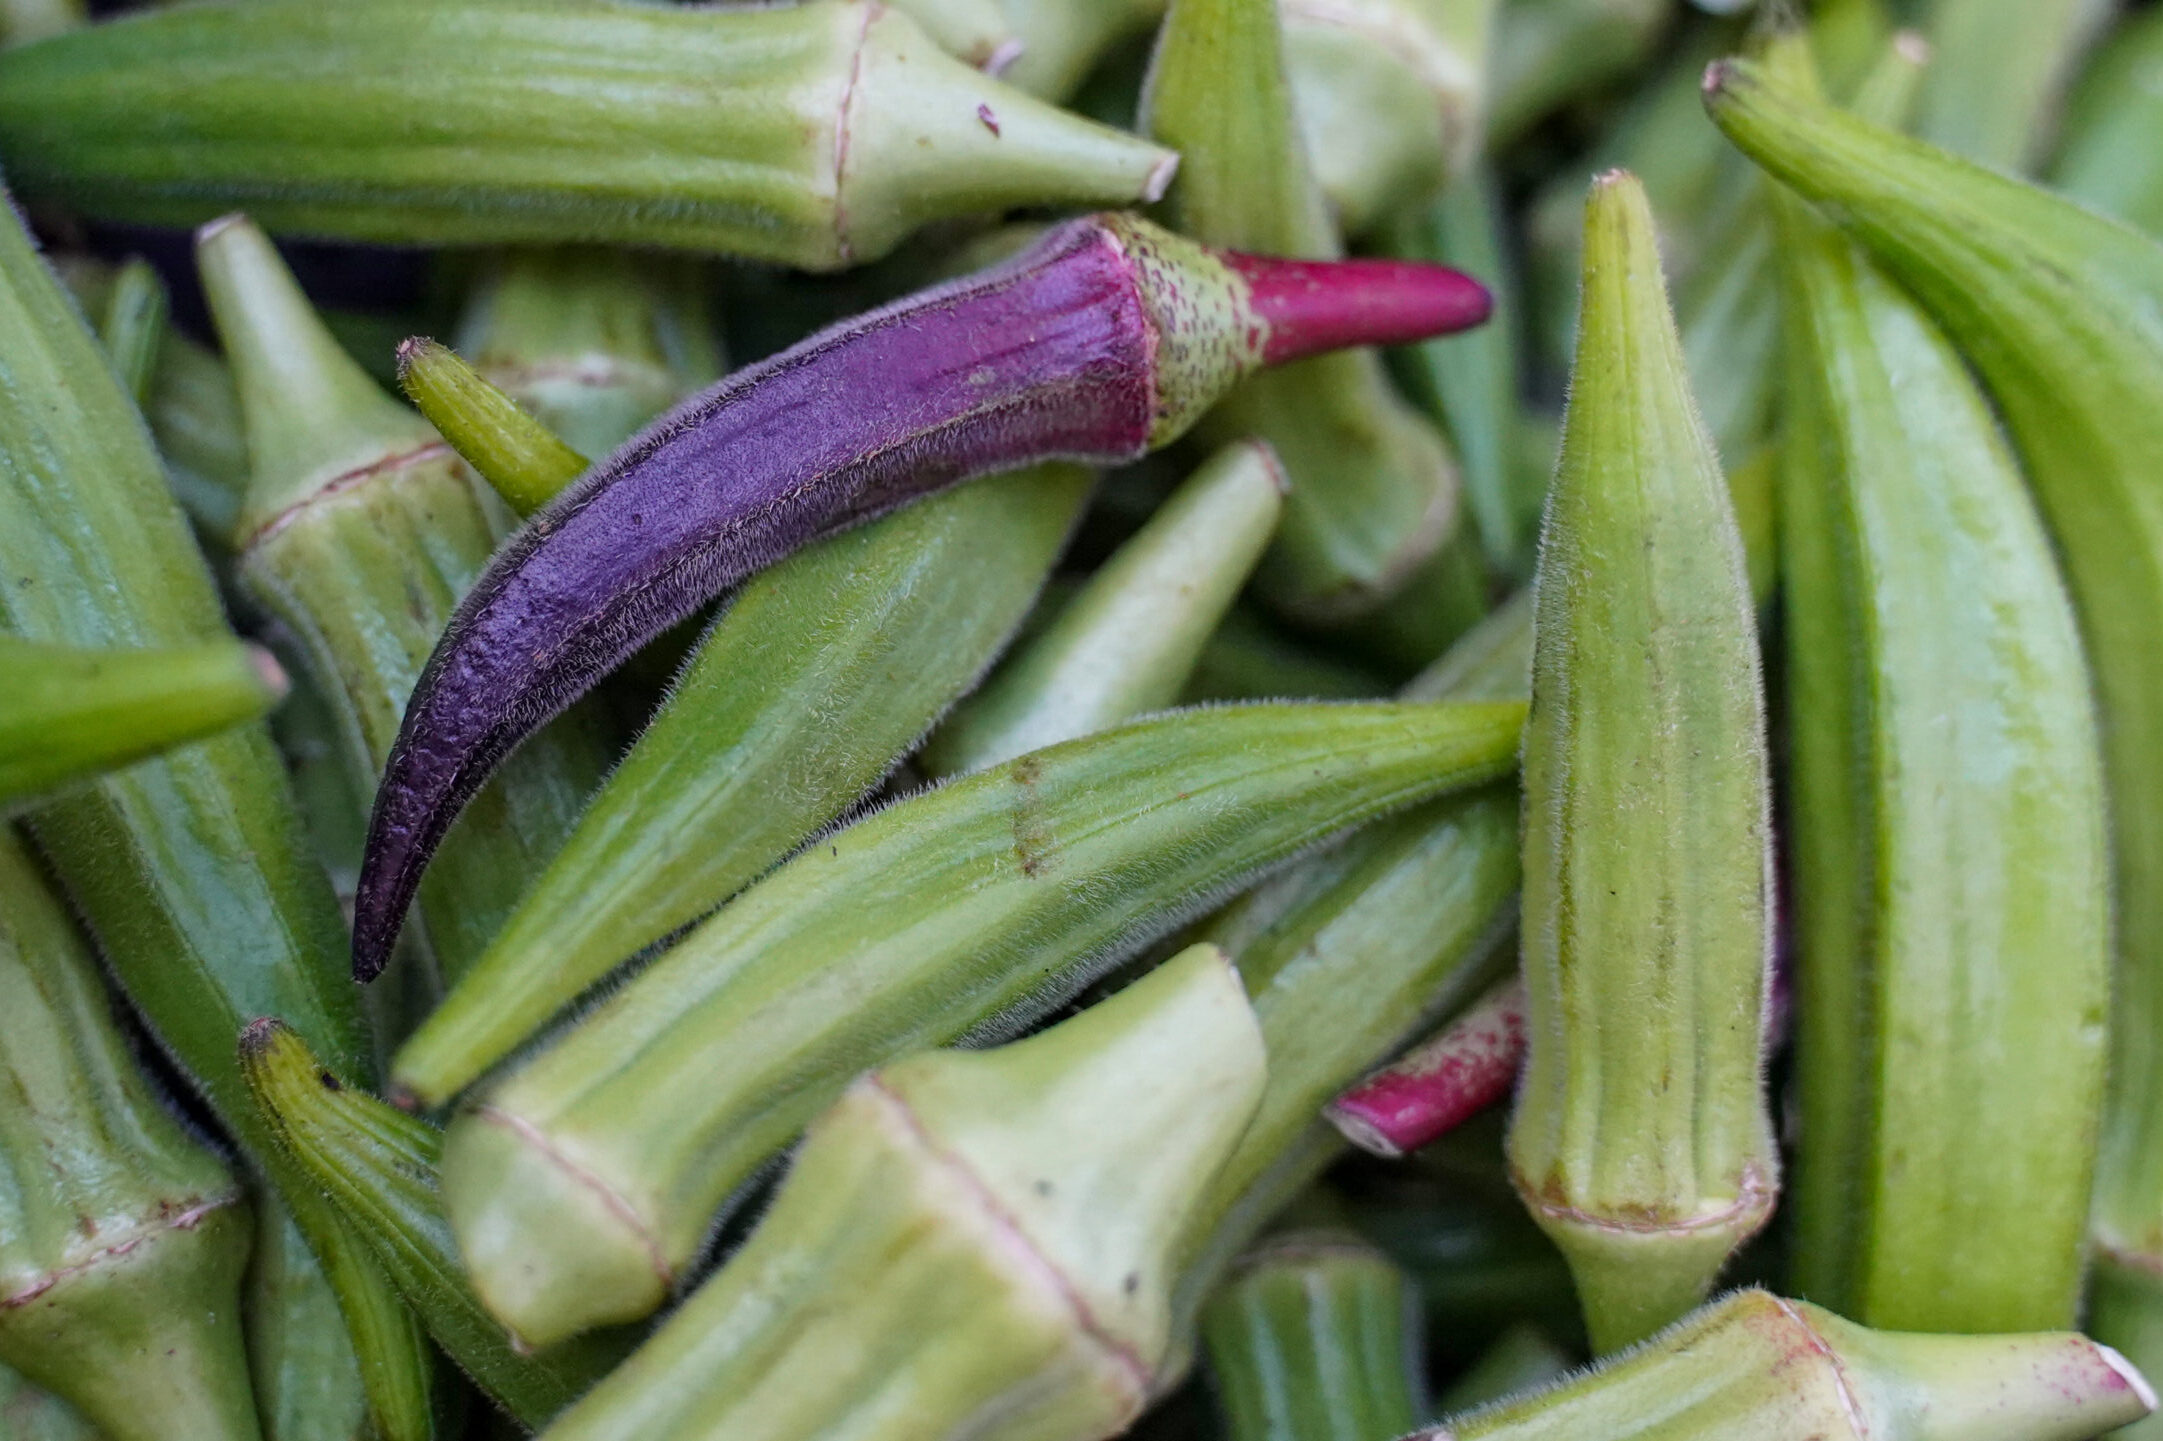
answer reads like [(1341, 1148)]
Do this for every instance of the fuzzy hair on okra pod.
[(1641, 1139), (1003, 1224), (2060, 311), (816, 135), (1106, 339)]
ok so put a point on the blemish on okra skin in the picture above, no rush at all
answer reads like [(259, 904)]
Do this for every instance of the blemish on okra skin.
[(1035, 847)]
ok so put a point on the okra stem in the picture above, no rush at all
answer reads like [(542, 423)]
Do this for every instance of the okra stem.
[(527, 463)]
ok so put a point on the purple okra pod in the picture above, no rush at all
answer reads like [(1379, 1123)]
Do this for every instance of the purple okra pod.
[(1104, 341)]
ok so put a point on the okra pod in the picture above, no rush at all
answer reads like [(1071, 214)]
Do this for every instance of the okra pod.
[(1438, 1085), (1640, 1139), (132, 327), (1104, 340), (1123, 645), (1246, 658), (1373, 489), (1550, 52), (594, 343), (1755, 1367), (1062, 40), (2002, 70), (360, 532), (1314, 1337), (815, 135), (2109, 158), (1950, 859), (1002, 1224), (1521, 1359), (68, 713), (525, 462), (122, 1238), (307, 1380), (974, 30), (191, 870), (28, 1414), (582, 1185), (379, 1165), (2061, 312)]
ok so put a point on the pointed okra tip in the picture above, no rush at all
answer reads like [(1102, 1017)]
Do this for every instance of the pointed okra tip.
[(527, 463)]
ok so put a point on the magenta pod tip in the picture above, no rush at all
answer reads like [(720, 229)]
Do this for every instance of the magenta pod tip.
[(1312, 306)]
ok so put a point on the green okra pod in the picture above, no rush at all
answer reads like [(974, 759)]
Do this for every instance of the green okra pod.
[(360, 532), (1950, 861), (1314, 1337), (977, 31), (307, 1380), (1063, 40), (813, 135), (191, 870), (583, 1184), (68, 713), (2109, 158), (1550, 52), (132, 328), (28, 1414), (1247, 658), (1754, 1367), (1124, 643), (594, 343), (122, 1238), (2061, 312), (1001, 1223), (1373, 488), (1641, 1140), (379, 1165), (1521, 1358), (525, 461), (823, 672), (2001, 72)]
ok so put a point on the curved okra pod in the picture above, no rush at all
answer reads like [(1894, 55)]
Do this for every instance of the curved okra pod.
[(2061, 312), (122, 1238), (68, 713), (1373, 492), (593, 342), (525, 462), (1124, 643), (192, 869), (1438, 1085), (1313, 1337), (1000, 1223), (1641, 1140), (1106, 339), (970, 909), (1754, 1367), (2000, 74), (379, 1165), (814, 135), (2109, 158), (1949, 851)]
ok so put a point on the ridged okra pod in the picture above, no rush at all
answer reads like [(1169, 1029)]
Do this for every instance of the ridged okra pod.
[(582, 1185), (1949, 852), (1106, 339), (1314, 1337), (191, 870), (68, 713), (379, 1164), (2109, 158), (525, 462), (814, 135), (360, 532), (1999, 73), (1755, 1367), (1373, 488), (122, 1238), (1641, 1140), (593, 342), (1123, 644), (998, 1228), (2061, 312)]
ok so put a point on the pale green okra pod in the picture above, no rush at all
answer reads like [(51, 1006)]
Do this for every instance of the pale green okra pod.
[(2110, 158), (2000, 73)]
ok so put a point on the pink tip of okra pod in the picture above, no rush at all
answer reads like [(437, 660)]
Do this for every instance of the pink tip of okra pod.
[(1436, 1087), (1312, 306)]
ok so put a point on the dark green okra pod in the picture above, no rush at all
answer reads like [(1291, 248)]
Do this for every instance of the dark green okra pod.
[(969, 909), (815, 135), (191, 870), (360, 533), (1641, 1139), (67, 713), (1314, 1337), (132, 326), (1002, 1223), (1951, 868), (2109, 158), (307, 1380), (122, 1238)]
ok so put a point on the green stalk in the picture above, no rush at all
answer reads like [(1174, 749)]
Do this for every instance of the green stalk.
[(1124, 643), (67, 714), (1753, 1367), (1641, 1140), (2110, 159), (522, 459), (2001, 71), (361, 532), (122, 1238), (1373, 489), (963, 911), (1313, 1337), (191, 870), (811, 135)]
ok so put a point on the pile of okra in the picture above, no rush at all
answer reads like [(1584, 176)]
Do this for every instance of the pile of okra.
[(1034, 720)]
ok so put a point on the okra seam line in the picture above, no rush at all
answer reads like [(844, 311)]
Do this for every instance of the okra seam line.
[(1139, 1373), (1849, 1406), (187, 1220), (349, 480), (842, 128), (1753, 1195), (610, 1198)]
